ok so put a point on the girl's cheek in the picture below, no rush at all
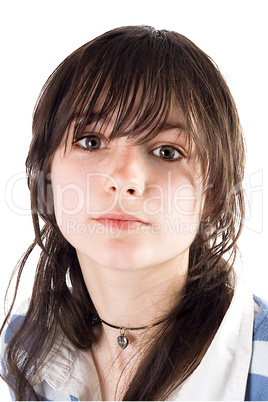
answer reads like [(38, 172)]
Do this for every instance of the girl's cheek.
[(187, 200)]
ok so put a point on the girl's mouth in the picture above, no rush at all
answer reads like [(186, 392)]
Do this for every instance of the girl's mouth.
[(120, 221)]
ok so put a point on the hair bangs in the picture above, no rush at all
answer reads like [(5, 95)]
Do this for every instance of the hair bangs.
[(130, 91)]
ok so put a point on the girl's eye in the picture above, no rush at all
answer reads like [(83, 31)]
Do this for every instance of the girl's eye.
[(168, 152), (91, 142)]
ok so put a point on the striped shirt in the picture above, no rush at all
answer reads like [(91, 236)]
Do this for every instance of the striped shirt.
[(257, 384)]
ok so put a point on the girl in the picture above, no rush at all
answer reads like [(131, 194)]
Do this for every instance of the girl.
[(135, 168)]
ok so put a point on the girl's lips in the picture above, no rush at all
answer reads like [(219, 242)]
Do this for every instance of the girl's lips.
[(120, 221)]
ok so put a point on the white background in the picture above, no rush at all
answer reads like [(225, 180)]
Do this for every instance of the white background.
[(37, 35)]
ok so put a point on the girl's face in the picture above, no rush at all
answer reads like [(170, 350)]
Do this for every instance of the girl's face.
[(125, 205)]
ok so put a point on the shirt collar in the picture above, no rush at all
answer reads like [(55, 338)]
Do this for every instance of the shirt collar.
[(70, 371), (223, 372)]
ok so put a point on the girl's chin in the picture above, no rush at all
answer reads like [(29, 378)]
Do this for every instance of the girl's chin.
[(111, 258), (121, 263)]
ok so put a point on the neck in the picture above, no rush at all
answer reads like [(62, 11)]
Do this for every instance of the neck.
[(135, 298)]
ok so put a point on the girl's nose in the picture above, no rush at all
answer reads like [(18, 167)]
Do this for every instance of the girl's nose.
[(127, 174), (129, 189)]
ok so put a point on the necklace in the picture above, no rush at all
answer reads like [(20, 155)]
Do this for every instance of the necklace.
[(122, 340)]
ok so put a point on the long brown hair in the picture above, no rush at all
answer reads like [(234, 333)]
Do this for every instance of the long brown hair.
[(162, 66)]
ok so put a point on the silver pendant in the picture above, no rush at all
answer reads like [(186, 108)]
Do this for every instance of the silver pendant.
[(121, 339)]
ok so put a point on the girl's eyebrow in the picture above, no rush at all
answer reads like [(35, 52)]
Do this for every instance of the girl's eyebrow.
[(94, 117), (171, 126)]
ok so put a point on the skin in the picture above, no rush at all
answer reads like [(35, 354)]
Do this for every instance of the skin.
[(134, 276)]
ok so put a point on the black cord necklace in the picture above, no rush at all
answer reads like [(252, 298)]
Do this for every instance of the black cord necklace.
[(122, 340)]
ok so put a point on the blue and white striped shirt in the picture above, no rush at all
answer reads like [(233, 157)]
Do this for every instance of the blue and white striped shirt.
[(257, 384)]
